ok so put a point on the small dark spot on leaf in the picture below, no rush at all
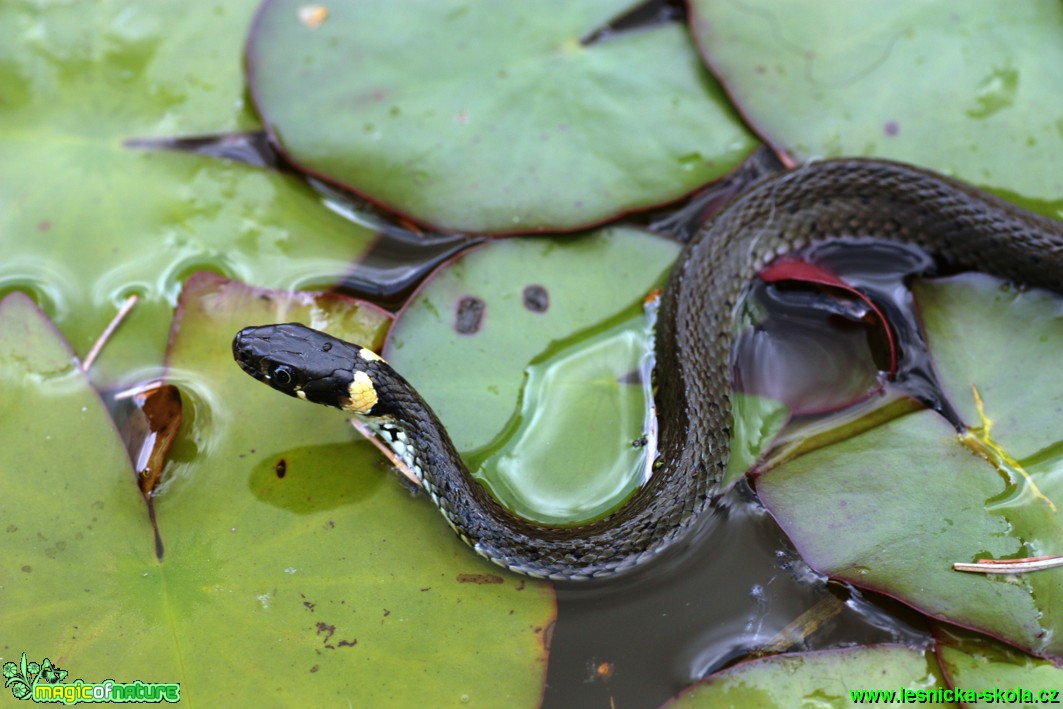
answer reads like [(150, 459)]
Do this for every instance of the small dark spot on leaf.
[(426, 588), (313, 669), (386, 612), (348, 643), (470, 315), (11, 528), (330, 524), (891, 128), (27, 568), (309, 606), (536, 299), (281, 468), (326, 630), (479, 578), (639, 442), (520, 586)]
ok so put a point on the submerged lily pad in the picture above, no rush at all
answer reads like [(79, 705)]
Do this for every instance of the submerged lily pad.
[(491, 117), (968, 89), (86, 222), (830, 678), (540, 304), (893, 509)]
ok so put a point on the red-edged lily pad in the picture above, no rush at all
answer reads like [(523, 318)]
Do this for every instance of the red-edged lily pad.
[(893, 509), (86, 220), (976, 663), (491, 117), (298, 535), (970, 89), (823, 679), (549, 366), (293, 568)]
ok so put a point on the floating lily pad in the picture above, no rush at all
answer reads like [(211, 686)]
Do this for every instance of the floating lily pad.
[(894, 508), (538, 302), (86, 222), (823, 679), (291, 561), (310, 539), (970, 90), (976, 663), (491, 117), (1015, 383), (76, 536), (757, 422)]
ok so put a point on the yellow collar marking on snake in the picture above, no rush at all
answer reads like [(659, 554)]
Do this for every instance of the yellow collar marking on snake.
[(369, 355), (361, 393)]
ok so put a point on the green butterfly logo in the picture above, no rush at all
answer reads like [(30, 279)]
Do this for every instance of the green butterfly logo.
[(23, 677)]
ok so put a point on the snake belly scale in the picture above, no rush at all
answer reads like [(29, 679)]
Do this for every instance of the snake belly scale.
[(964, 227)]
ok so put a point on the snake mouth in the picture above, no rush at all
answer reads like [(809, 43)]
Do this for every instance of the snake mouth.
[(242, 353)]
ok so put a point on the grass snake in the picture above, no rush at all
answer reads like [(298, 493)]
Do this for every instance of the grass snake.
[(962, 226)]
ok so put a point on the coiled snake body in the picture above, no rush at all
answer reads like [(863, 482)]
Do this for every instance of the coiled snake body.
[(963, 226)]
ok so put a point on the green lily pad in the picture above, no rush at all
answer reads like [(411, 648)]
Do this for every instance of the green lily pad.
[(757, 422), (582, 338), (86, 221), (491, 117), (1002, 374), (292, 565), (976, 663), (970, 90), (893, 509), (830, 678), (75, 528), (362, 582)]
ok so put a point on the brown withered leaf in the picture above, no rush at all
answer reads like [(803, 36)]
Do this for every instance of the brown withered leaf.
[(149, 432)]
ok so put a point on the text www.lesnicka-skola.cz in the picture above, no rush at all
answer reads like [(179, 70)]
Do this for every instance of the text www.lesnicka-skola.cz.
[(1016, 695)]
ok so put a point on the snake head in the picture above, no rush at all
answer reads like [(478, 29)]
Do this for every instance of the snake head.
[(310, 365)]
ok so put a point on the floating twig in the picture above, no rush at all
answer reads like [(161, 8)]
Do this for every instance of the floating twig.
[(108, 331), (1011, 566)]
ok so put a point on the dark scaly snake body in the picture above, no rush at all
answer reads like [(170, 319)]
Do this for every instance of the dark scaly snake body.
[(967, 228)]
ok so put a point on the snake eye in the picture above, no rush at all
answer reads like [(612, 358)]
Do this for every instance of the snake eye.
[(282, 375)]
